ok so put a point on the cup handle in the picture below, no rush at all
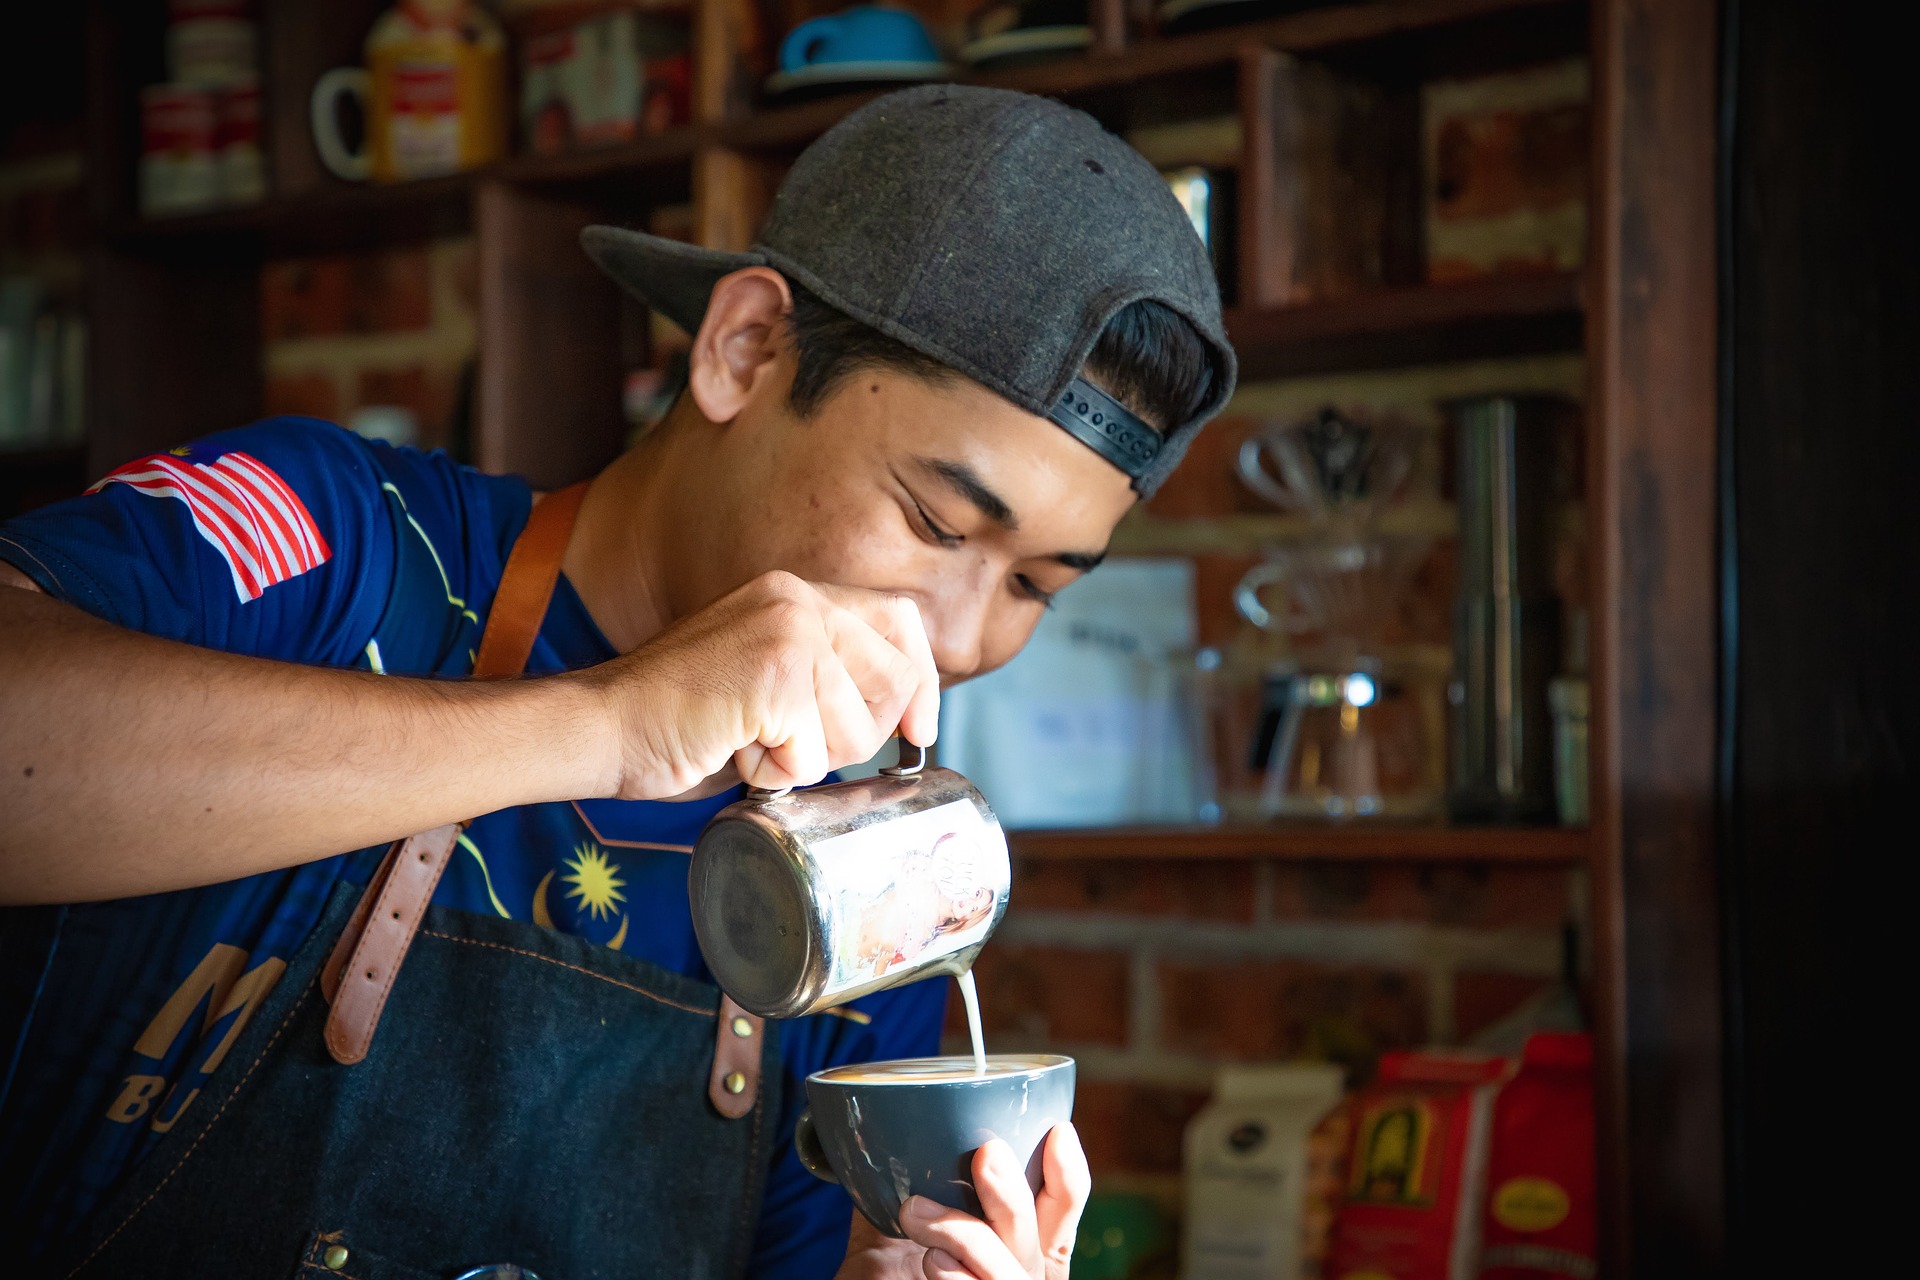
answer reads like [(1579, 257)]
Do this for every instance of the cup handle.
[(803, 43), (806, 1144), (324, 119)]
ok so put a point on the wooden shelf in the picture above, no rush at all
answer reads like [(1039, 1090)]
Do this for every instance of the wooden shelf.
[(1144, 534), (337, 217), (792, 127), (341, 215), (1314, 31), (1538, 846), (641, 156), (1510, 315)]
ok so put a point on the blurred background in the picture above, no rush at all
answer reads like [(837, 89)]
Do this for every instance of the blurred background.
[(1469, 739)]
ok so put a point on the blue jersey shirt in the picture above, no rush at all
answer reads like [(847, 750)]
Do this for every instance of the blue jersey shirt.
[(297, 540)]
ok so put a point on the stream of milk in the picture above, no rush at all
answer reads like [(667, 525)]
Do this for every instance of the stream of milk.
[(972, 997)]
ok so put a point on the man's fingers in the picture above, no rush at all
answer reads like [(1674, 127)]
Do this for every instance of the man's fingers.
[(938, 1264), (896, 619), (854, 727), (885, 676), (971, 1243), (793, 754), (1006, 1200), (1066, 1184)]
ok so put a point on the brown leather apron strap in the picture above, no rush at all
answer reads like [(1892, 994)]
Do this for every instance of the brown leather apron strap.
[(365, 961), (734, 1084), (360, 971), (526, 586)]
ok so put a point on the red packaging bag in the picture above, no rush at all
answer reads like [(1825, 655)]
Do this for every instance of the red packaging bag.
[(1416, 1172), (1542, 1186)]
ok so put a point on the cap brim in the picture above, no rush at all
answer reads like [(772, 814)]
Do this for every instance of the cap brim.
[(671, 276)]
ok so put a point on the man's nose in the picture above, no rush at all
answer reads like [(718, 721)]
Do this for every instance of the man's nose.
[(955, 616)]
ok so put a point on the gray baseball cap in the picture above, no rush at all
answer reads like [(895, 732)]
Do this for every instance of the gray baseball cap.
[(996, 232)]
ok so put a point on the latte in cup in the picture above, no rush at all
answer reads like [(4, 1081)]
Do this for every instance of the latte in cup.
[(889, 1130), (937, 1070)]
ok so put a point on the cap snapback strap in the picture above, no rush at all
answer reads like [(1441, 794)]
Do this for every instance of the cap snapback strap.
[(1107, 427)]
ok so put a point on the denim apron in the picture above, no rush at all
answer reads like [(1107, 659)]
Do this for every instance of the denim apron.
[(531, 1100)]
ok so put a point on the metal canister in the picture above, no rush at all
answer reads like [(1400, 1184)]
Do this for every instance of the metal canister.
[(1506, 618), (803, 900)]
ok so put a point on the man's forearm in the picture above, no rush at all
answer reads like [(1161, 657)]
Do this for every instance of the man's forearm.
[(130, 764)]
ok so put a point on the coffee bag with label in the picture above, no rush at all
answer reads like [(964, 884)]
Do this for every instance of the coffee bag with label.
[(1541, 1181), (1417, 1169), (1246, 1158)]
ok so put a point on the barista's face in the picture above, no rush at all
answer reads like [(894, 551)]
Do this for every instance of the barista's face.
[(976, 510)]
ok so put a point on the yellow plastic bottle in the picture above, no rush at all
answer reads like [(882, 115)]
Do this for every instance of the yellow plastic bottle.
[(437, 102)]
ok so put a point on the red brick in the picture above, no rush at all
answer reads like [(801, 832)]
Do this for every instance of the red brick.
[(1478, 896), (429, 391), (1216, 620), (312, 394), (1133, 1128), (362, 293), (1255, 1010), (1048, 996), (1209, 484), (1192, 890), (1425, 613), (1482, 999), (390, 292), (303, 298)]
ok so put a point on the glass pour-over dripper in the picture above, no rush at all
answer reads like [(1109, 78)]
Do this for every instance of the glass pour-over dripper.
[(1340, 735)]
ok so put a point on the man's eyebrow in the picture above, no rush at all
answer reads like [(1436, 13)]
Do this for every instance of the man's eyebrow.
[(966, 482)]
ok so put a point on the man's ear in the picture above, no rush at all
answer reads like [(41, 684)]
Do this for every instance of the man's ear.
[(738, 341)]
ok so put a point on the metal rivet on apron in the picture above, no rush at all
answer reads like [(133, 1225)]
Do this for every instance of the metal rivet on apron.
[(742, 1028), (335, 1257), (735, 1082)]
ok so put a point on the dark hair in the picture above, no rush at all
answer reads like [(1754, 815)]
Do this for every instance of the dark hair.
[(1149, 357)]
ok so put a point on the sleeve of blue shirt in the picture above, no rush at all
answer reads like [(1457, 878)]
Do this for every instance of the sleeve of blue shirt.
[(804, 1221), (136, 552)]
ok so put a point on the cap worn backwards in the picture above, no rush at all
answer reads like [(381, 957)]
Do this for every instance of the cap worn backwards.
[(994, 231)]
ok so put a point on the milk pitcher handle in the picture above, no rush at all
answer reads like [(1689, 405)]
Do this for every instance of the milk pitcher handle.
[(892, 771), (901, 769)]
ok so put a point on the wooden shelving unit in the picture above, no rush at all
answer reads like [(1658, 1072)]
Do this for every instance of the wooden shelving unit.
[(727, 161), (551, 361), (1416, 324), (176, 348)]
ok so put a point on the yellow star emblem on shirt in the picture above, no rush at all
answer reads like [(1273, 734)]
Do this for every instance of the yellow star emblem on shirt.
[(595, 880)]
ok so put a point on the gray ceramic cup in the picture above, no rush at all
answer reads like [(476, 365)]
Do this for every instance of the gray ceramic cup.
[(889, 1130)]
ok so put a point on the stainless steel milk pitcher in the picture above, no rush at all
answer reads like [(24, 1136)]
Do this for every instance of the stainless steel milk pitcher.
[(807, 899)]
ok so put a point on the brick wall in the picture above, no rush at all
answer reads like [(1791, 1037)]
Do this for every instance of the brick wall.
[(347, 331), (1153, 972)]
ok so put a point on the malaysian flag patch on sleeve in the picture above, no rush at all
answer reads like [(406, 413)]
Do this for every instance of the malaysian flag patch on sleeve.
[(244, 510)]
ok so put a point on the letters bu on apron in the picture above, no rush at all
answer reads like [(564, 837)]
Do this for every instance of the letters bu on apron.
[(512, 1095)]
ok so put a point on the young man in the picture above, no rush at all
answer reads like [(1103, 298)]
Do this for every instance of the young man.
[(976, 329)]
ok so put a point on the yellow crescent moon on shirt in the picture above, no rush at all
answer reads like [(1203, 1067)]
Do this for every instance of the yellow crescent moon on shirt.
[(545, 920), (540, 916)]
